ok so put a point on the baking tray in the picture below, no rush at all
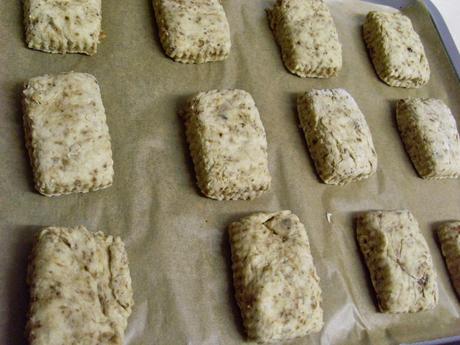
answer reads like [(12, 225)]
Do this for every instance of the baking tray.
[(176, 239)]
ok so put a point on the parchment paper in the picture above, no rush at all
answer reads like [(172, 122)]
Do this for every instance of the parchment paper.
[(176, 238)]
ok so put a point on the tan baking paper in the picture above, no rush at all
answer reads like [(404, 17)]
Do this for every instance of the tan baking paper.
[(176, 239)]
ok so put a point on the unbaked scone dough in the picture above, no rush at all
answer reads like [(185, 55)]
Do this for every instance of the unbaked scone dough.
[(80, 288), (430, 136), (337, 134), (70, 26), (66, 134), (276, 284), (449, 236), (193, 31), (306, 34), (399, 261), (228, 145), (396, 50)]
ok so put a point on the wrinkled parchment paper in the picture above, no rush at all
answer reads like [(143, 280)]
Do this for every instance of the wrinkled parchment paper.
[(176, 239)]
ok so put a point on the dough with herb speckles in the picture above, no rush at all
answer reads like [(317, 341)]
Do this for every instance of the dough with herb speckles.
[(306, 34), (80, 288), (430, 136), (66, 134), (449, 237), (228, 145), (71, 26), (193, 31), (276, 284), (337, 134), (399, 261), (396, 50)]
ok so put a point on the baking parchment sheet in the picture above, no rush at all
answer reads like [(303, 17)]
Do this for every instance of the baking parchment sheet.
[(176, 238)]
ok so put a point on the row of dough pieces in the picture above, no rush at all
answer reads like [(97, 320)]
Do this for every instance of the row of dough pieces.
[(80, 285), (197, 31), (72, 153)]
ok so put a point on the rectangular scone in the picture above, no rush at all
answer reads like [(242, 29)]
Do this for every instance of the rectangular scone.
[(193, 31), (430, 135), (398, 260), (66, 134), (71, 26), (306, 34), (337, 134), (80, 288), (449, 237), (276, 284), (396, 50), (228, 145)]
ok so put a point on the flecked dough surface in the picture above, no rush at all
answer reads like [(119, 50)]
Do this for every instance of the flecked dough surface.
[(276, 284), (396, 50), (399, 261), (71, 26), (80, 288), (449, 237), (430, 135), (306, 34), (66, 134), (337, 134), (228, 144), (193, 31)]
